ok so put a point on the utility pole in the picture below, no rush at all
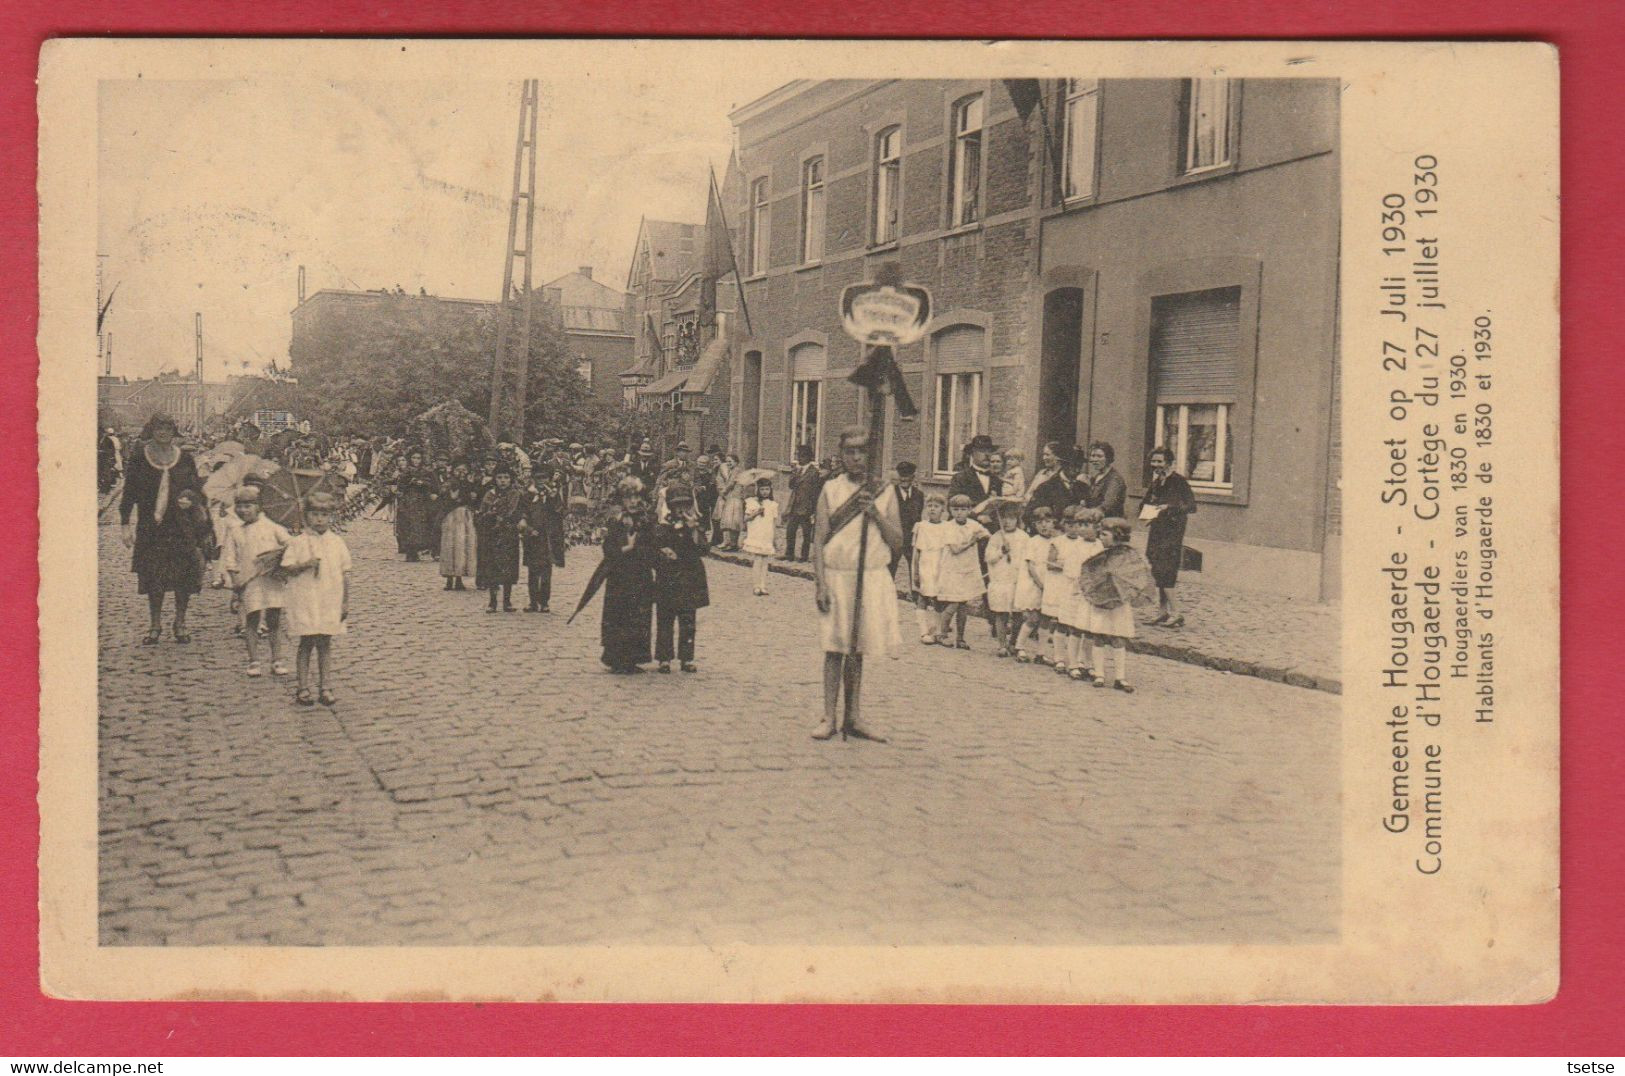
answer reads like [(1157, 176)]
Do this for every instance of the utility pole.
[(108, 354), (510, 365)]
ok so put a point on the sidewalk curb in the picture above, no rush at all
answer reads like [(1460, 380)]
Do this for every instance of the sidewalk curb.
[(1152, 647)]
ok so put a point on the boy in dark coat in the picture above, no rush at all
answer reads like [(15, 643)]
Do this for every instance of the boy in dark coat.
[(680, 585), (541, 532)]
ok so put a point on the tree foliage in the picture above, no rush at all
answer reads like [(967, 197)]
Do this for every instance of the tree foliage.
[(371, 370)]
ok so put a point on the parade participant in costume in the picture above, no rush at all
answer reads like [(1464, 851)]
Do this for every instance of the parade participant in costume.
[(1168, 502), (925, 545), (680, 585), (458, 540), (318, 597), (761, 519), (1111, 614), (414, 491), (805, 483), (731, 520), (261, 591), (161, 563), (496, 526), (959, 571), (1080, 646), (628, 580), (1006, 564), (541, 531), (1027, 617), (856, 534)]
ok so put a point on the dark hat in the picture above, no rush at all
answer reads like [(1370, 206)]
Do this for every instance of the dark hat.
[(981, 443)]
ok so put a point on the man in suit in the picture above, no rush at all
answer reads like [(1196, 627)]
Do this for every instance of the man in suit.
[(910, 510), (806, 483), (974, 479)]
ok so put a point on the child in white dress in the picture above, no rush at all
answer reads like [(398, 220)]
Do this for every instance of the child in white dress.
[(927, 555), (1006, 564), (318, 598), (959, 572), (1055, 598), (1079, 647), (260, 591), (1030, 585), (1113, 627), (761, 522)]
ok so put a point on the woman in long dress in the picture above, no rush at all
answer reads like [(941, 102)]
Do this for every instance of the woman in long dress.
[(733, 503), (457, 538), (165, 558), (1171, 496), (629, 581), (414, 508)]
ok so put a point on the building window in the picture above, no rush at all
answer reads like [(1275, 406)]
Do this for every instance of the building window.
[(806, 404), (1195, 348), (965, 165), (959, 405), (1206, 123), (1082, 123), (812, 210), (758, 226), (584, 368), (888, 173)]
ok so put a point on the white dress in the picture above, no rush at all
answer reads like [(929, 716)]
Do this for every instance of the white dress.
[(959, 574), (315, 598), (1078, 609), (245, 543), (878, 632), (1030, 595), (928, 550), (759, 532), (1006, 565)]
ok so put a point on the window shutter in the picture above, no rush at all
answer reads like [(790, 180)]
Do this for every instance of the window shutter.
[(1195, 339), (807, 362), (960, 348)]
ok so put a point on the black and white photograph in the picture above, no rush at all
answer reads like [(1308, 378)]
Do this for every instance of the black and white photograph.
[(655, 508)]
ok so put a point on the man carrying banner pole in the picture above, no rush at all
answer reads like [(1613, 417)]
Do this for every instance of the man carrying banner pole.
[(857, 528), (855, 535)]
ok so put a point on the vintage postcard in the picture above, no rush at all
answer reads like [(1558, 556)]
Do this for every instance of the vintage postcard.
[(788, 521)]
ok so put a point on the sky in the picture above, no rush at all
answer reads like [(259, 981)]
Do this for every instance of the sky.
[(213, 193)]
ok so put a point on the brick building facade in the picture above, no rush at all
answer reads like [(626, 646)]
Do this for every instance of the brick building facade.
[(1137, 261)]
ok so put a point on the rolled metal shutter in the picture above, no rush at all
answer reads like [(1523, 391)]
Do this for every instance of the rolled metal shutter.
[(960, 348), (1195, 340)]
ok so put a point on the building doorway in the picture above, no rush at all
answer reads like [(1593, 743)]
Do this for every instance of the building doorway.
[(750, 410), (1060, 365)]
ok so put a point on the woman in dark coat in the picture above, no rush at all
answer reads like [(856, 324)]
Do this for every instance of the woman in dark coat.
[(1050, 488), (680, 584), (629, 581), (1100, 486), (1165, 537), (496, 523), (415, 490), (168, 552)]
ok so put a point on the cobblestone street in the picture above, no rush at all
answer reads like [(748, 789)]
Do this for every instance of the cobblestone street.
[(483, 780)]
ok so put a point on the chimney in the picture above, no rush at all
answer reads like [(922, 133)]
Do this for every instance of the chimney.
[(586, 271)]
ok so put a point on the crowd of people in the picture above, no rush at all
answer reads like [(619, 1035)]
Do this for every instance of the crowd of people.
[(1047, 558)]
